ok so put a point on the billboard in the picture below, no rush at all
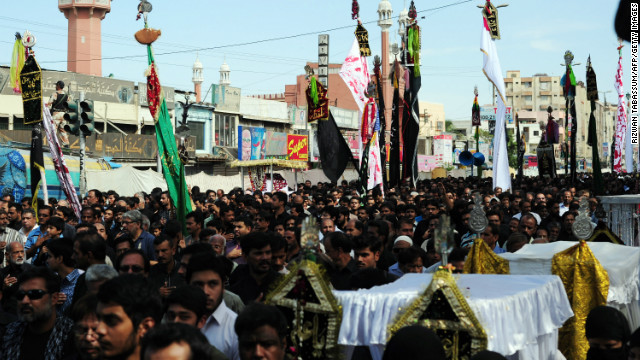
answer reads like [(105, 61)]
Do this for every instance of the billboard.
[(298, 147)]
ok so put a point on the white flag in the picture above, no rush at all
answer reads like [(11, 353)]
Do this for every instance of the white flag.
[(355, 74), (493, 71)]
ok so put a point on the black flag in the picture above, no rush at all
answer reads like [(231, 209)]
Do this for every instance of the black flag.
[(396, 109), (411, 128), (36, 164), (334, 151)]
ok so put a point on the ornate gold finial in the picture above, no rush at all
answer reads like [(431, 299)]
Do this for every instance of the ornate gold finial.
[(582, 228)]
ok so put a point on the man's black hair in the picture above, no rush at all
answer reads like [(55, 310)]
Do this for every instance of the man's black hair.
[(248, 221), (90, 241), (62, 247), (410, 255), (52, 281), (361, 242), (197, 216), (277, 242), (205, 234), (137, 297), (368, 278), (253, 241), (204, 262), (189, 297), (162, 238), (147, 264), (66, 211), (339, 240), (172, 228), (83, 307), (123, 238), (282, 197), (256, 315), (164, 335), (60, 84), (56, 222), (98, 195), (197, 248)]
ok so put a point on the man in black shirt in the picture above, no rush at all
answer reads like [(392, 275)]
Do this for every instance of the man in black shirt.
[(39, 333), (251, 281), (338, 248), (164, 275)]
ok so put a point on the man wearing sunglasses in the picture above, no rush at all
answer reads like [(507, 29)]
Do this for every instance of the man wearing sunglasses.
[(39, 333)]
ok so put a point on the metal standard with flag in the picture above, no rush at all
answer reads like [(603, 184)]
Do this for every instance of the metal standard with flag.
[(172, 163), (493, 72)]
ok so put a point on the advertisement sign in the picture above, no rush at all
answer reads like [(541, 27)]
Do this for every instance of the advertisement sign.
[(352, 136), (298, 147), (443, 149), (226, 98), (276, 144), (251, 143), (426, 163), (488, 113)]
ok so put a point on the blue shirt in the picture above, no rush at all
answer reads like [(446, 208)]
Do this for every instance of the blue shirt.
[(32, 238), (67, 286), (499, 250), (145, 243)]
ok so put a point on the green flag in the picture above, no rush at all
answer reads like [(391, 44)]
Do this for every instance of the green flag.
[(172, 165)]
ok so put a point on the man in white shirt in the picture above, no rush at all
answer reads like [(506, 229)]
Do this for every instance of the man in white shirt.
[(208, 273), (7, 235)]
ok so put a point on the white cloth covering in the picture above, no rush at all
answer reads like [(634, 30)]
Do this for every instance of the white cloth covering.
[(520, 314), (621, 262)]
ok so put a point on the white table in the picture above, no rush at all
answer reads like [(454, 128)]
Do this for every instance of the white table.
[(520, 314), (621, 262)]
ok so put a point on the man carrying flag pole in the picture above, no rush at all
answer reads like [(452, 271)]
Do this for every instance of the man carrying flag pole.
[(493, 72), (37, 167), (172, 164)]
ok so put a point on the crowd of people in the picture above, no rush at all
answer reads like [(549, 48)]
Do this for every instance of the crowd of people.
[(124, 281)]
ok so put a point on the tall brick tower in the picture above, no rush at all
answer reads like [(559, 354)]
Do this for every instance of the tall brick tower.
[(385, 21), (197, 79), (84, 53)]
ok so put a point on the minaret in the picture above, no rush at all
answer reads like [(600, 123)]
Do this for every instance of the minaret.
[(197, 79), (224, 74), (84, 38), (385, 21)]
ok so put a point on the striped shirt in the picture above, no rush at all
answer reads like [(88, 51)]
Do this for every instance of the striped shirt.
[(9, 235)]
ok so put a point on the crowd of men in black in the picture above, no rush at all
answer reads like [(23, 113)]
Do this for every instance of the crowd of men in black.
[(123, 282)]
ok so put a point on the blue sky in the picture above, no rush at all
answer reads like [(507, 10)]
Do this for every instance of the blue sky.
[(535, 35)]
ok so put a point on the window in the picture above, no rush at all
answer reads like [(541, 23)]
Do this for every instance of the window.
[(4, 123), (536, 133), (197, 129), (527, 84), (225, 133), (545, 86)]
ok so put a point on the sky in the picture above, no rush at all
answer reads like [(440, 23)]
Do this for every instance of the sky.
[(267, 43)]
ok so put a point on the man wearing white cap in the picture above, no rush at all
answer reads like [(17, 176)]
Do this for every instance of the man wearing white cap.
[(402, 242)]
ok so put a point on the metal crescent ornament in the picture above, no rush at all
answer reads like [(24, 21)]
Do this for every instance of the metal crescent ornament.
[(582, 228), (28, 40), (478, 219)]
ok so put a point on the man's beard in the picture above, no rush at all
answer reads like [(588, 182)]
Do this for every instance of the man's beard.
[(17, 261), (35, 315), (128, 348)]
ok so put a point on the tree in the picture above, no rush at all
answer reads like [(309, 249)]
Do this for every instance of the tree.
[(512, 149)]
